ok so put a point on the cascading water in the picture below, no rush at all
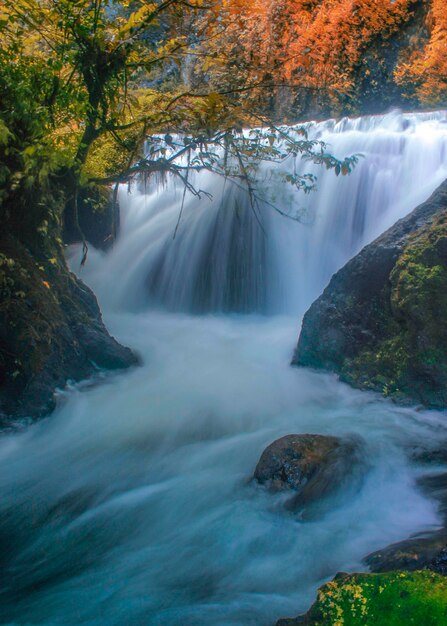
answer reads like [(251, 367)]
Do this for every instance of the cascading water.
[(225, 257), (133, 505)]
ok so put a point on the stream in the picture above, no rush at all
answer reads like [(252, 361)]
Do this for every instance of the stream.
[(133, 504)]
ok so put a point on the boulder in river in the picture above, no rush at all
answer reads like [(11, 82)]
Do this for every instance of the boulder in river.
[(412, 554), (310, 466), (379, 323)]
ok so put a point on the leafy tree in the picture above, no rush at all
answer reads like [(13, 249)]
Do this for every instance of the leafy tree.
[(85, 104)]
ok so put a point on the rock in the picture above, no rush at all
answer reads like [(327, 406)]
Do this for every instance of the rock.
[(377, 324), (390, 599), (428, 551), (411, 555), (311, 466), (439, 562), (51, 331), (429, 454), (435, 486)]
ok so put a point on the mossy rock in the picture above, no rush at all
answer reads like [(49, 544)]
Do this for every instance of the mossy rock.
[(393, 599), (51, 330), (380, 322)]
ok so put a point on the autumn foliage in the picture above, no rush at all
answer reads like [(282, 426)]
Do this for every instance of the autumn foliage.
[(425, 70), (335, 49)]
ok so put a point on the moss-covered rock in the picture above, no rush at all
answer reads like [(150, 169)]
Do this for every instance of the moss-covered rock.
[(51, 329), (394, 599), (380, 322)]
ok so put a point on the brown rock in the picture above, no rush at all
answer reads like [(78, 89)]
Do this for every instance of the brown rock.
[(311, 466)]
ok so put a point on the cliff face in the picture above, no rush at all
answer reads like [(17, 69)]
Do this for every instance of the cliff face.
[(380, 322)]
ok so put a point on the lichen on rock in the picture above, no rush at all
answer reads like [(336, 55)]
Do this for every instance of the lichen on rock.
[(308, 467), (392, 599)]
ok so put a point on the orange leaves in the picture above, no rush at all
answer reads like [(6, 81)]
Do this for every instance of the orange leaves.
[(329, 40), (424, 72), (321, 45)]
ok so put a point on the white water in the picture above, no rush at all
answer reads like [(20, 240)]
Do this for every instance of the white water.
[(221, 260), (133, 505)]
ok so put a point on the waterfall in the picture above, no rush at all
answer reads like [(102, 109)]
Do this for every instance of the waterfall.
[(225, 257), (133, 503)]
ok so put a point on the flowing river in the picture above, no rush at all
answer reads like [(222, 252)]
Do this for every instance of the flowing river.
[(133, 505)]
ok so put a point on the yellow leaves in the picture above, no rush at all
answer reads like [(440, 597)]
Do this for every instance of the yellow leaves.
[(136, 20)]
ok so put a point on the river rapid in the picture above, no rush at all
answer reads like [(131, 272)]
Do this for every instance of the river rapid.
[(133, 503)]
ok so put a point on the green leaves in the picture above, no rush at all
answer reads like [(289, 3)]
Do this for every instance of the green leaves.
[(76, 109)]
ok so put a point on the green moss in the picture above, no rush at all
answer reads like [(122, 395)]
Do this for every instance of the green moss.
[(409, 355), (391, 599)]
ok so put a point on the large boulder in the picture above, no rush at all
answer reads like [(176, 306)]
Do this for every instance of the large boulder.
[(51, 331), (311, 467), (379, 323)]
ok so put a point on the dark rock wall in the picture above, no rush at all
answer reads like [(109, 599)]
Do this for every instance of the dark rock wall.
[(380, 323), (51, 331)]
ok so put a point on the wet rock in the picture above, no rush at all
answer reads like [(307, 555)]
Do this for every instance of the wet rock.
[(435, 486), (377, 323), (429, 455), (428, 551), (439, 563), (310, 466), (412, 554), (51, 332)]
